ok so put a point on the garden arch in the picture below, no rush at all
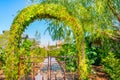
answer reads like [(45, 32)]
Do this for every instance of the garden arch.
[(41, 11)]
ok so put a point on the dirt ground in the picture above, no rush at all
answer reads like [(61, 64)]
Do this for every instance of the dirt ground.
[(98, 74)]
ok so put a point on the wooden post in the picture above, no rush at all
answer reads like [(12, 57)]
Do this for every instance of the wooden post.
[(33, 71), (19, 70)]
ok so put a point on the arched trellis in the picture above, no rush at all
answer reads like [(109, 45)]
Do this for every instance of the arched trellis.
[(41, 11)]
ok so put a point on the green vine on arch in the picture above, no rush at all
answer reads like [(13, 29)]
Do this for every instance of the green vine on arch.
[(42, 11)]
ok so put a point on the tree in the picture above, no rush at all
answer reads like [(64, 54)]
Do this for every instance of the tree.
[(58, 30), (114, 7), (100, 20)]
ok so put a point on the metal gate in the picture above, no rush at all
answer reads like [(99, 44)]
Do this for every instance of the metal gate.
[(52, 68)]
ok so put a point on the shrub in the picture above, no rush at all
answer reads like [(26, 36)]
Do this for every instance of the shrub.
[(112, 66)]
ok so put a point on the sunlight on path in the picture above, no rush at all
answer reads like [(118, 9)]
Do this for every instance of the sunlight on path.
[(53, 72)]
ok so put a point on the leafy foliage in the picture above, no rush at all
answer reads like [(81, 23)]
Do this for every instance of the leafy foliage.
[(40, 11), (28, 51), (2, 57), (97, 17), (58, 30), (4, 39), (24, 52), (112, 66), (69, 50), (92, 55)]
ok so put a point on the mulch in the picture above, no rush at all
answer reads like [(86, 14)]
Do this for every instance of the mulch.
[(98, 74)]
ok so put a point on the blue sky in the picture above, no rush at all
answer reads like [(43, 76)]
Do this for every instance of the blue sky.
[(10, 8)]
